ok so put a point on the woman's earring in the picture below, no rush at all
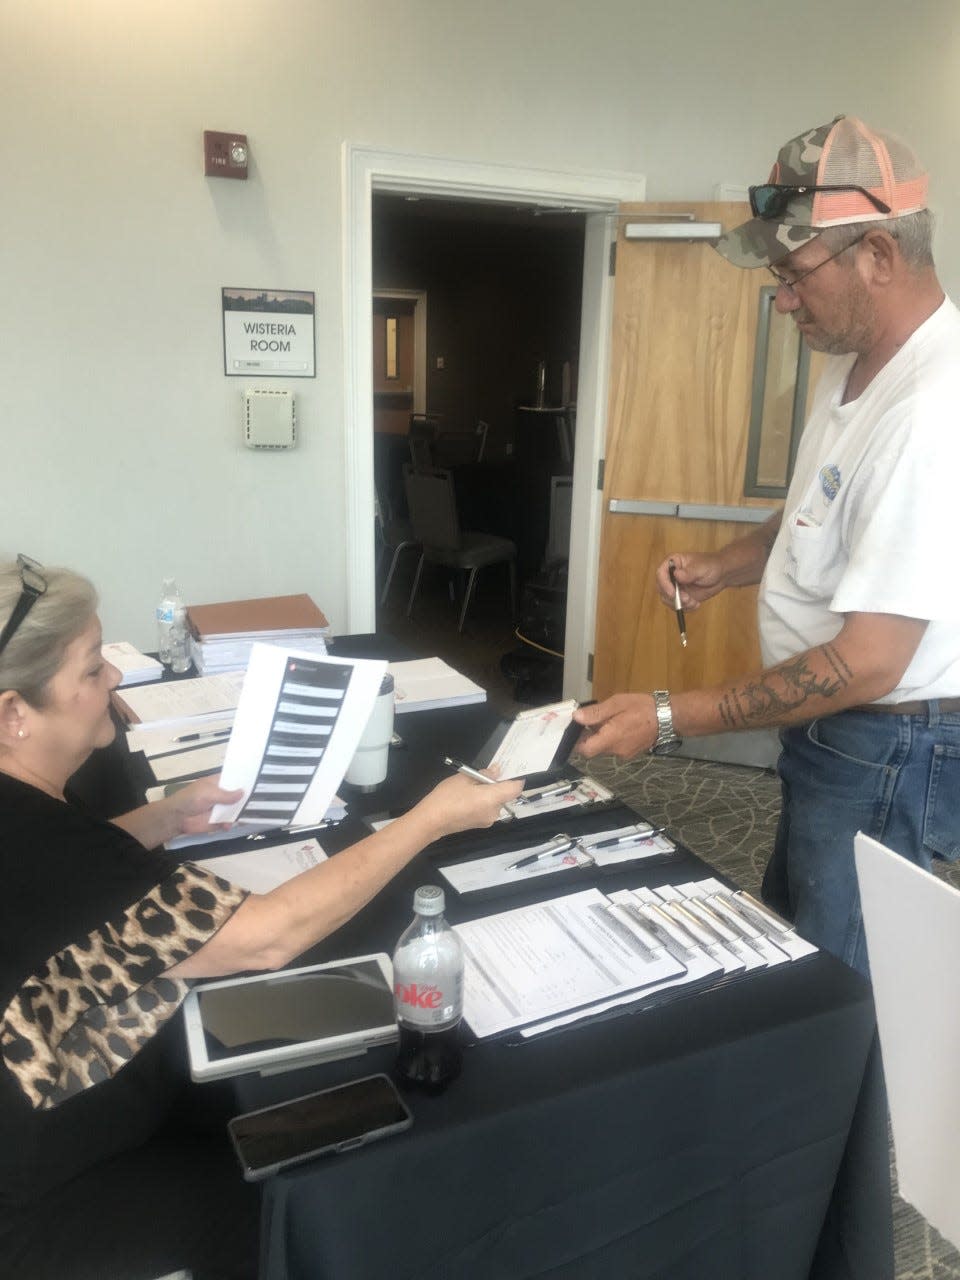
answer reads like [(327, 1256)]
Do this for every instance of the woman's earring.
[(21, 734)]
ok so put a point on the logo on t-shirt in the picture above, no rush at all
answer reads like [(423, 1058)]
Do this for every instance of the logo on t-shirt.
[(830, 481)]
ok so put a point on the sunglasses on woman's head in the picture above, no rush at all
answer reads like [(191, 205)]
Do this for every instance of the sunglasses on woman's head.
[(32, 586)]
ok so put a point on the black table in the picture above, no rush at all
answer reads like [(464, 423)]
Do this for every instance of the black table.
[(737, 1133)]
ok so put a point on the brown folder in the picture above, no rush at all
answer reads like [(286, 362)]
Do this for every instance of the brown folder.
[(255, 617)]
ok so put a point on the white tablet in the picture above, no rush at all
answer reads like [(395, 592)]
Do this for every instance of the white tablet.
[(278, 1021)]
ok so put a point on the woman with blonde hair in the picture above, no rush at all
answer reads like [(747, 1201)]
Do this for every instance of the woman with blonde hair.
[(99, 930)]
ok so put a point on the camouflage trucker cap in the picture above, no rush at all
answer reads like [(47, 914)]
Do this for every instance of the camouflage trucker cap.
[(838, 173)]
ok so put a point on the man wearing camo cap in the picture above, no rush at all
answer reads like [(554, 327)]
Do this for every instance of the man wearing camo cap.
[(859, 610)]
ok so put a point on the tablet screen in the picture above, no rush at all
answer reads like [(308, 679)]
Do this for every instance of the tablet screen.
[(293, 1008)]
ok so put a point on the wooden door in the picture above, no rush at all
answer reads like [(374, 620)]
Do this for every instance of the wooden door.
[(684, 332)]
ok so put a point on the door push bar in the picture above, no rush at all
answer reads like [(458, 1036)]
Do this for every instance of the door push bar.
[(689, 510)]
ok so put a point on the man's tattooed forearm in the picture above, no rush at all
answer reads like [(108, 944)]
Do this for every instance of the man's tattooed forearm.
[(779, 693)]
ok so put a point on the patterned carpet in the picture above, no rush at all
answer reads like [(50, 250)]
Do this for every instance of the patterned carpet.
[(728, 815)]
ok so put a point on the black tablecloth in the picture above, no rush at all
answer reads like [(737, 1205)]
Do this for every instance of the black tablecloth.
[(734, 1134)]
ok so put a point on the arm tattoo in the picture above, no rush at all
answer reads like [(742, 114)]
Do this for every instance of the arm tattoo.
[(777, 695)]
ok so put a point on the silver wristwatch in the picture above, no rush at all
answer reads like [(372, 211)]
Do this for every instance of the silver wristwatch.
[(668, 740)]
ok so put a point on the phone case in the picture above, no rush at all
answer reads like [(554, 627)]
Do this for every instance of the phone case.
[(369, 1125)]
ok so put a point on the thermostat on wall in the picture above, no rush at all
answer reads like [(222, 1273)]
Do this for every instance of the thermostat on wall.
[(269, 419)]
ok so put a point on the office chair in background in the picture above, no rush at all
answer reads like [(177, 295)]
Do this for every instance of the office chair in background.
[(433, 514), (393, 535), (421, 433), (454, 448)]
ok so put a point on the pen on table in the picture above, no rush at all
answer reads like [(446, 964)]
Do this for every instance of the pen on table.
[(542, 793), (617, 842), (466, 769), (681, 620), (195, 737), (531, 858)]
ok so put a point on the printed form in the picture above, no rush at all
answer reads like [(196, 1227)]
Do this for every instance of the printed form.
[(552, 957)]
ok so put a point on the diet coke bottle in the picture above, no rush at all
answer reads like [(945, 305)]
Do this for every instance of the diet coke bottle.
[(428, 995)]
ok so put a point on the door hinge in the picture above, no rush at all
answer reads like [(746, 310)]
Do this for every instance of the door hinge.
[(612, 271), (601, 468), (590, 666)]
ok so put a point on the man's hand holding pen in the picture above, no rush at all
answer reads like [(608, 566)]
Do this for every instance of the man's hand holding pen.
[(678, 605), (696, 575)]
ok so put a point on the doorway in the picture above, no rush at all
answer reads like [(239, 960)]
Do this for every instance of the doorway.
[(505, 284), (367, 170)]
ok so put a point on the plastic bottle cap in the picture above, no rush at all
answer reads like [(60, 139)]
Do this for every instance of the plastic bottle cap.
[(429, 900)]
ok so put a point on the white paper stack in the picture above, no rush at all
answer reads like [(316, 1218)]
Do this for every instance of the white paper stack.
[(135, 667), (264, 868), (222, 635), (173, 702), (430, 683), (211, 657)]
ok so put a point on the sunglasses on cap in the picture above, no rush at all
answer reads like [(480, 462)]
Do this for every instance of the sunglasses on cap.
[(770, 200), (32, 586)]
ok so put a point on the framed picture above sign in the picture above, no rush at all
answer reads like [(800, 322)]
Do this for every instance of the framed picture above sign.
[(268, 332)]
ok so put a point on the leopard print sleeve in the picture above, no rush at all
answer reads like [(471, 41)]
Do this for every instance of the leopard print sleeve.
[(93, 1005)]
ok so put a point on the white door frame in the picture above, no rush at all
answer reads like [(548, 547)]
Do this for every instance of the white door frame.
[(367, 169)]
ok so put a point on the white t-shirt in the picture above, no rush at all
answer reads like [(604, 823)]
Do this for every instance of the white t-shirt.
[(871, 522)]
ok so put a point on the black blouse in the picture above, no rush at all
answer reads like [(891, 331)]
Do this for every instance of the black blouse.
[(90, 922)]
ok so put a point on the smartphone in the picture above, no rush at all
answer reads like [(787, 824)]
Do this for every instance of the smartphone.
[(325, 1123)]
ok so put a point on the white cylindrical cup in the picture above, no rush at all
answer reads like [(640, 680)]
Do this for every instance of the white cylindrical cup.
[(368, 768)]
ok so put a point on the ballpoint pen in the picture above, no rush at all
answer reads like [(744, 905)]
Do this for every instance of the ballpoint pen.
[(681, 620), (466, 769), (560, 844), (617, 842), (542, 793), (195, 737)]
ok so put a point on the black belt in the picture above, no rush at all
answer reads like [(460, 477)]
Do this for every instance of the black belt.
[(908, 708)]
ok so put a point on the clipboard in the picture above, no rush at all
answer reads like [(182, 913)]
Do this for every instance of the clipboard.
[(486, 872), (537, 729)]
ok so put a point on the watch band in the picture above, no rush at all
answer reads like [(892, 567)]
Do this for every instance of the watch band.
[(667, 737)]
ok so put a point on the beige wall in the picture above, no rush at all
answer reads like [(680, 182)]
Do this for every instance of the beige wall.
[(121, 436)]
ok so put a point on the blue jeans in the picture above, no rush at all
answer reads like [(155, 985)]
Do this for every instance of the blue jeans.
[(896, 778)]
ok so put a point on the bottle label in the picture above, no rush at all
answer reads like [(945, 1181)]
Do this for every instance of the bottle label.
[(165, 612), (425, 1004)]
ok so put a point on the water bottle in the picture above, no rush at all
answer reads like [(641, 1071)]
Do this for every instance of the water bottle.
[(172, 644), (180, 641), (428, 995)]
